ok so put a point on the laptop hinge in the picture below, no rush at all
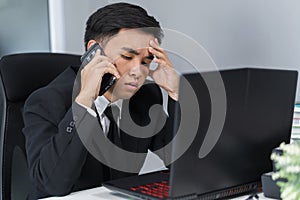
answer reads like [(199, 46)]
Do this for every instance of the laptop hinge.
[(186, 197)]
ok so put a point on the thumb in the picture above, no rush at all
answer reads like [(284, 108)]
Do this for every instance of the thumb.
[(151, 73)]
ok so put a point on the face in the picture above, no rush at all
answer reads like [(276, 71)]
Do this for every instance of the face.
[(130, 54)]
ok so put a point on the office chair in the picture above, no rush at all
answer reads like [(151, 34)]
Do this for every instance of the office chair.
[(20, 75)]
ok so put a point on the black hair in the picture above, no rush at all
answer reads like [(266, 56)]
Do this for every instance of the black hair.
[(107, 21)]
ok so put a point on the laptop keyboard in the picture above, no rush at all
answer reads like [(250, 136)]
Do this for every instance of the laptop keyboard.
[(157, 189)]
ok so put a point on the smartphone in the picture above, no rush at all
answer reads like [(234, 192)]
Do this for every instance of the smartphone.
[(108, 79)]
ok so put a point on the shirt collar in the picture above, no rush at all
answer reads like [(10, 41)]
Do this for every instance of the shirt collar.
[(102, 102)]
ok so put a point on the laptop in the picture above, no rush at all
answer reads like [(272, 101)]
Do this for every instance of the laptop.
[(226, 158)]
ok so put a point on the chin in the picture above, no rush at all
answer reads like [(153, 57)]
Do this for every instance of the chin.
[(126, 95), (123, 92)]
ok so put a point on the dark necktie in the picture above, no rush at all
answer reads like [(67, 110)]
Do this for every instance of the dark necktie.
[(112, 113)]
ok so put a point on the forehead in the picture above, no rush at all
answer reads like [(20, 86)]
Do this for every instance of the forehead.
[(132, 38)]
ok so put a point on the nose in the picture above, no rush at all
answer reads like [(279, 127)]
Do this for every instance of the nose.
[(136, 70)]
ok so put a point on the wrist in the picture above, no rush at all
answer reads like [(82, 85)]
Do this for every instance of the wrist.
[(85, 100)]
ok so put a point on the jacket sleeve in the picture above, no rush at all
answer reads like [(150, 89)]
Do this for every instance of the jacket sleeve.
[(55, 152)]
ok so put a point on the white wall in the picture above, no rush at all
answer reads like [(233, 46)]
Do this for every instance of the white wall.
[(263, 33), (24, 26), (234, 32)]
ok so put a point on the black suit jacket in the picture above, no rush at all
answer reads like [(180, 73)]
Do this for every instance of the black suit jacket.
[(62, 138)]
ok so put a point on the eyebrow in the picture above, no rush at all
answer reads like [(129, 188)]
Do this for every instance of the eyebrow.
[(130, 50)]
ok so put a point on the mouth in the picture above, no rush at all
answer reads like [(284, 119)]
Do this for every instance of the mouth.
[(132, 85)]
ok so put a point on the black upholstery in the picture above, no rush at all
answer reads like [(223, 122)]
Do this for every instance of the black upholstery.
[(20, 75)]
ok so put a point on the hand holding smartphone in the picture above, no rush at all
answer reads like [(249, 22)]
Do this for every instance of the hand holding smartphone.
[(108, 79)]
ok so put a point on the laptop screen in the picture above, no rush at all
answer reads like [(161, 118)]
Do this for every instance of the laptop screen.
[(236, 151)]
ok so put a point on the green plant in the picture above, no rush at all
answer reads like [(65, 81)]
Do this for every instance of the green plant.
[(288, 170)]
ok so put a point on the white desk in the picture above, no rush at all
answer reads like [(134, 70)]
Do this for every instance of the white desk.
[(99, 193), (102, 193)]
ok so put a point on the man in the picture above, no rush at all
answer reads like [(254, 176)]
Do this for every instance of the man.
[(66, 129)]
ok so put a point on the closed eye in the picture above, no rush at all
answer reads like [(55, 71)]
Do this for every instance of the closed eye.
[(126, 57), (146, 63)]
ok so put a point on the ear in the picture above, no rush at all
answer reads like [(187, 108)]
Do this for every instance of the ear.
[(90, 43)]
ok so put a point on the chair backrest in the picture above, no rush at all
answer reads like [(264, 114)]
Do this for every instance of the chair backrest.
[(20, 75)]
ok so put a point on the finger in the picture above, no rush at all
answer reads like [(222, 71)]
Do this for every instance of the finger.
[(108, 67), (98, 62), (160, 62), (156, 53), (98, 58), (101, 68), (156, 46), (151, 73), (98, 88)]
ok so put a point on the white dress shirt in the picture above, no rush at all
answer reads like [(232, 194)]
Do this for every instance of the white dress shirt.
[(102, 103)]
